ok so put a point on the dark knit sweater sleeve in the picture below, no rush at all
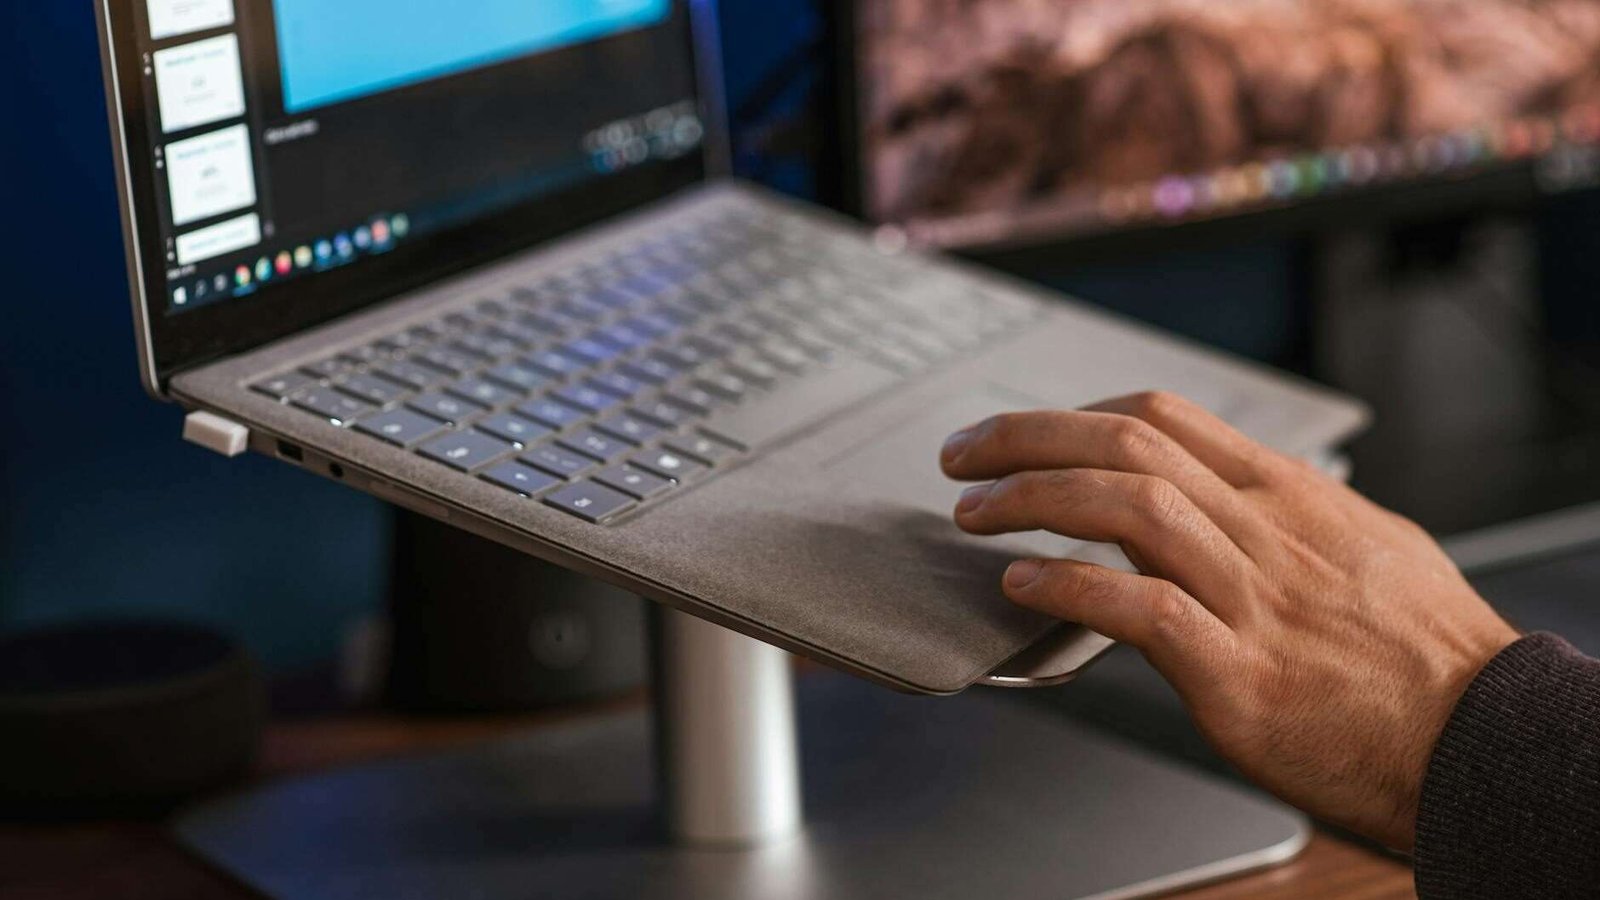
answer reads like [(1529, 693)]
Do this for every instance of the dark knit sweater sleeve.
[(1511, 803)]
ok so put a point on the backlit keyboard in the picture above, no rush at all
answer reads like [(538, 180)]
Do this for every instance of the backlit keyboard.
[(609, 386)]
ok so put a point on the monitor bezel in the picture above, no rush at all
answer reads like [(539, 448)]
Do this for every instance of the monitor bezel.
[(1509, 186), (168, 344)]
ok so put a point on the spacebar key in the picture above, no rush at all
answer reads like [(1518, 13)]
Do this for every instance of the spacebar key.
[(795, 405)]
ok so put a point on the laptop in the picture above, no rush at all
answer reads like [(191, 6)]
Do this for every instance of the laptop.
[(484, 263)]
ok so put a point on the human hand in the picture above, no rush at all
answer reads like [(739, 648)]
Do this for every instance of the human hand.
[(1319, 641)]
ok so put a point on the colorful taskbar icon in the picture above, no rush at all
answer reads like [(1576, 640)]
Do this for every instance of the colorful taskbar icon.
[(373, 237)]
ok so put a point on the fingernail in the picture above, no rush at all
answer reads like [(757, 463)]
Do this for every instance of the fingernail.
[(956, 445), (1023, 573), (973, 497)]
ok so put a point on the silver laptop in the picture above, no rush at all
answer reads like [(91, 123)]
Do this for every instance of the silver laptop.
[(481, 261)]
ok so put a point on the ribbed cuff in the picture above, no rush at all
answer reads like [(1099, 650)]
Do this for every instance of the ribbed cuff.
[(1511, 804)]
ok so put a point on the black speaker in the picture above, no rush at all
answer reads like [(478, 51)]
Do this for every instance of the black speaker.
[(478, 627), (122, 718)]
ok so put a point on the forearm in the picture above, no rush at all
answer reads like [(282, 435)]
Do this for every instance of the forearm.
[(1511, 803)]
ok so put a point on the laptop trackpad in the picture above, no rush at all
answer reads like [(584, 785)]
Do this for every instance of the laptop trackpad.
[(897, 474)]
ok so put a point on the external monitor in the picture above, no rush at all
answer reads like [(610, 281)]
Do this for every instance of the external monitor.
[(1003, 123)]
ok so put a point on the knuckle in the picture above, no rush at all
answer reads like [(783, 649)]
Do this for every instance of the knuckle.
[(1277, 470), (1170, 611), (1133, 441), (1156, 500), (1156, 405)]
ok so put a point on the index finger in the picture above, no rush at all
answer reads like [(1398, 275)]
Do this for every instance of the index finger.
[(1220, 447), (1064, 439)]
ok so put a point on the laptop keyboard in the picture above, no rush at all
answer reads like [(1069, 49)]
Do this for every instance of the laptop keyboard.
[(610, 386)]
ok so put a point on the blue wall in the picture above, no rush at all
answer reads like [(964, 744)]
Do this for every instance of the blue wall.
[(102, 509)]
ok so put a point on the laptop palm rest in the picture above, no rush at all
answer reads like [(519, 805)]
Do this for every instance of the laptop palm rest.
[(908, 480)]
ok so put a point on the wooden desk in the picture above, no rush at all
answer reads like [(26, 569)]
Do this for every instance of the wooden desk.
[(136, 861)]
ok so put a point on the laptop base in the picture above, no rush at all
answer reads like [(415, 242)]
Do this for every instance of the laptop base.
[(973, 796)]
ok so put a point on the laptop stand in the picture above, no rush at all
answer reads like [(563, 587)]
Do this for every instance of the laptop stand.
[(973, 796)]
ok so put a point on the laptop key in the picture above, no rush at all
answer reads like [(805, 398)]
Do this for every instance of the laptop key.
[(512, 428), (444, 406), (374, 390), (484, 393), (617, 383), (520, 335), (556, 415), (590, 501), (556, 365), (683, 357), (518, 377), (325, 368), (558, 461), (708, 347), (583, 309), (634, 482), (408, 373), (726, 385), (548, 325), (593, 443), (485, 345), (666, 414), (279, 387), (586, 398), (649, 371), (361, 356), (465, 450), (525, 480), (402, 427), (633, 429), (754, 369), (695, 400), (706, 449), (590, 350), (447, 360), (625, 336), (668, 464), (331, 405)]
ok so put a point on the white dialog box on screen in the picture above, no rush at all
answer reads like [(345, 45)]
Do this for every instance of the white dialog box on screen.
[(215, 240), (210, 174), (199, 83), (169, 18)]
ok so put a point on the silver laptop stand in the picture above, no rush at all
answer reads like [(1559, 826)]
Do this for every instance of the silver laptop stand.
[(978, 795)]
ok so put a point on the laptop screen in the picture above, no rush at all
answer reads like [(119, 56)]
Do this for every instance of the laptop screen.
[(287, 159)]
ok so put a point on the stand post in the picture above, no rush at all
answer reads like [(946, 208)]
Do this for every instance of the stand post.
[(727, 737)]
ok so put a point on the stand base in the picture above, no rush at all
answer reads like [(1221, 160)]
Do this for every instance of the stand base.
[(974, 796)]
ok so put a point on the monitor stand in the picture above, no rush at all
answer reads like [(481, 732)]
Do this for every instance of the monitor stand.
[(973, 796)]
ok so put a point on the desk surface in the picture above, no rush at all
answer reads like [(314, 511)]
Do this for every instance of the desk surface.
[(135, 861)]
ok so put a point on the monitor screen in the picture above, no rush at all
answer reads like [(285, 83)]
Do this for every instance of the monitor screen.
[(988, 122), (289, 139)]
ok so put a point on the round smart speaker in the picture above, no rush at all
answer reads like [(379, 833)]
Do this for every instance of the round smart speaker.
[(122, 718)]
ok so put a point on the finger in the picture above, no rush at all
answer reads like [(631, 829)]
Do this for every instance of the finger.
[(1156, 524), (1175, 632), (1097, 440), (1220, 447), (1066, 439)]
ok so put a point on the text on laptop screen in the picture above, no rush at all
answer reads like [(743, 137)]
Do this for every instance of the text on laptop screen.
[(298, 136)]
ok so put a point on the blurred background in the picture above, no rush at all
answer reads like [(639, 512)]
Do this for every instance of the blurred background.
[(1425, 235)]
